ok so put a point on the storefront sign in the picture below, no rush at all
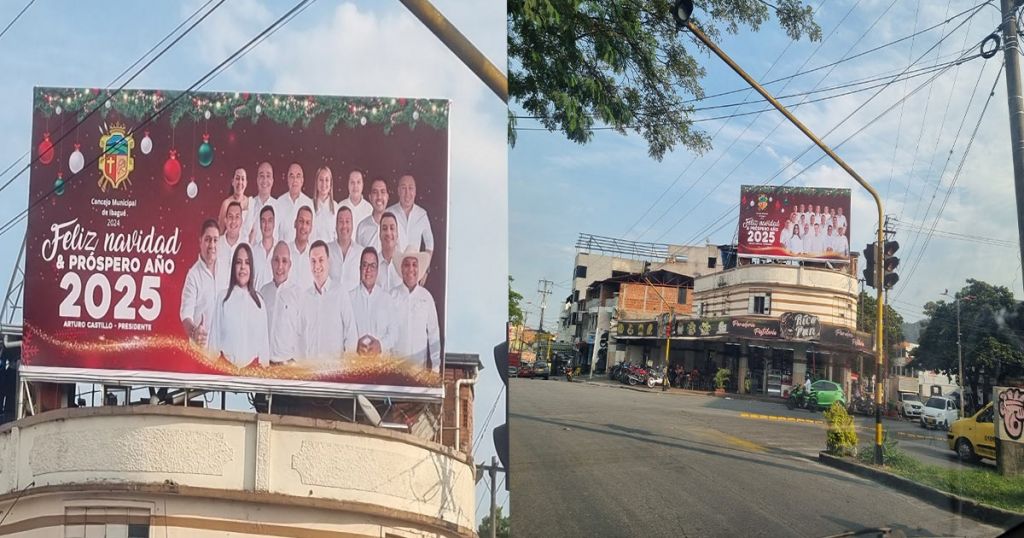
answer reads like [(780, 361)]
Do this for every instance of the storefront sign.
[(637, 329), (754, 327), (800, 326)]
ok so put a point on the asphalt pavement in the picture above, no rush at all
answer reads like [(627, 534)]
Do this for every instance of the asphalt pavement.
[(600, 460)]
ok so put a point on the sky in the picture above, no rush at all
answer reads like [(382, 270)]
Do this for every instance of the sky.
[(331, 48), (914, 154)]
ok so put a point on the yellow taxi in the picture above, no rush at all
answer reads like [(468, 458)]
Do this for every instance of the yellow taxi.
[(974, 437)]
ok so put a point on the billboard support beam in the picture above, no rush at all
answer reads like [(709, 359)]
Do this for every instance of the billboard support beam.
[(879, 345), (462, 47)]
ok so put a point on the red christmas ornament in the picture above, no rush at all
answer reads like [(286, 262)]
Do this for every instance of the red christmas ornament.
[(245, 96), (777, 204), (46, 149), (352, 109), (401, 101), (172, 169)]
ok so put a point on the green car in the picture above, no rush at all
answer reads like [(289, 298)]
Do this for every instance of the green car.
[(825, 393)]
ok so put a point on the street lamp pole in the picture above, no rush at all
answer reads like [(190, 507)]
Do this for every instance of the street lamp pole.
[(959, 351), (681, 13)]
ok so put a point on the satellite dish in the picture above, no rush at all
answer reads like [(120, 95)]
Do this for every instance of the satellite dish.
[(369, 410)]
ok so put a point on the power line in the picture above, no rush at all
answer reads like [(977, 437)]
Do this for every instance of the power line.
[(899, 128), (118, 77), (68, 132), (487, 421), (16, 17), (202, 80), (833, 129), (731, 210), (956, 176)]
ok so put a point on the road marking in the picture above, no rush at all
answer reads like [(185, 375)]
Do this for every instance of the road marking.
[(777, 418), (739, 442), (920, 436)]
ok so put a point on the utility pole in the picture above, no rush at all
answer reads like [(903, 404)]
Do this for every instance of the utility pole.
[(1011, 51), (544, 289), (494, 496)]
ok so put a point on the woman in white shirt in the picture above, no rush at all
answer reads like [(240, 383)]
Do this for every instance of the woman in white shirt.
[(325, 209), (239, 331), (794, 243)]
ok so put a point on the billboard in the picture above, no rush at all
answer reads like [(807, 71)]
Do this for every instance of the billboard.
[(804, 223), (238, 241)]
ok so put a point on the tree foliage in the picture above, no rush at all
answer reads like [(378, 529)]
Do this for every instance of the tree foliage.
[(991, 323), (515, 311), (503, 530), (867, 314), (623, 63)]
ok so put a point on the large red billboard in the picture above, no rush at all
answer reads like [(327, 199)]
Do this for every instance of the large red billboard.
[(804, 223), (238, 241)]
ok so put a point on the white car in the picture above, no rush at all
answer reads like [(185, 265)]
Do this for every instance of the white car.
[(939, 412), (911, 405)]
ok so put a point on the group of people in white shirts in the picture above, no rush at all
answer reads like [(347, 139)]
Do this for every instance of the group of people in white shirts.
[(815, 232), (314, 280)]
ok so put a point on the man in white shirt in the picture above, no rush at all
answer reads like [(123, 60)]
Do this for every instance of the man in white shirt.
[(289, 203), (841, 219), (263, 249), (830, 241), (283, 306), (344, 252), (815, 244), (327, 323), (232, 235), (413, 222), (419, 334), (202, 286), (389, 275), (368, 229), (360, 207), (264, 185), (842, 243), (301, 276), (374, 309)]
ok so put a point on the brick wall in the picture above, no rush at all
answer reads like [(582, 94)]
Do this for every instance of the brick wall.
[(451, 375), (645, 301)]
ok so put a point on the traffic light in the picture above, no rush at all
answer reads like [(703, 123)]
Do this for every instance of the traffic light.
[(869, 265), (501, 432), (890, 262)]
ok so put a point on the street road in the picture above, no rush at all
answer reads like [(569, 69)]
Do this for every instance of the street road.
[(593, 460)]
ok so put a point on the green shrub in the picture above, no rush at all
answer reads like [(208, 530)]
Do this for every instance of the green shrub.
[(841, 439), (722, 378)]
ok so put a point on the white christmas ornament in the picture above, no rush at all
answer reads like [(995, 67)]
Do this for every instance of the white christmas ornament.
[(146, 145), (206, 114), (259, 109), (77, 161), (416, 115), (107, 103), (192, 190), (362, 120), (57, 110)]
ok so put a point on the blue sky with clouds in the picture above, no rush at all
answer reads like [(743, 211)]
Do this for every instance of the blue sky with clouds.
[(911, 153), (332, 48)]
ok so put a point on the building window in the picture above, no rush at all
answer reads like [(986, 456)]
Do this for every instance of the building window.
[(681, 299), (712, 262), (109, 522), (760, 303), (581, 271)]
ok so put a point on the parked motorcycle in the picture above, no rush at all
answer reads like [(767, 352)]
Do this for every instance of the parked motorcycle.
[(802, 399), (862, 405), (568, 373), (635, 375), (655, 378)]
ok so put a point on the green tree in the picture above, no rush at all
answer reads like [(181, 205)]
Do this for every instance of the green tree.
[(573, 63), (515, 312), (990, 325), (867, 313), (503, 530)]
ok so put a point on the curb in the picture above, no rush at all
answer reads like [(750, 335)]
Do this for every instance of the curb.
[(941, 499)]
